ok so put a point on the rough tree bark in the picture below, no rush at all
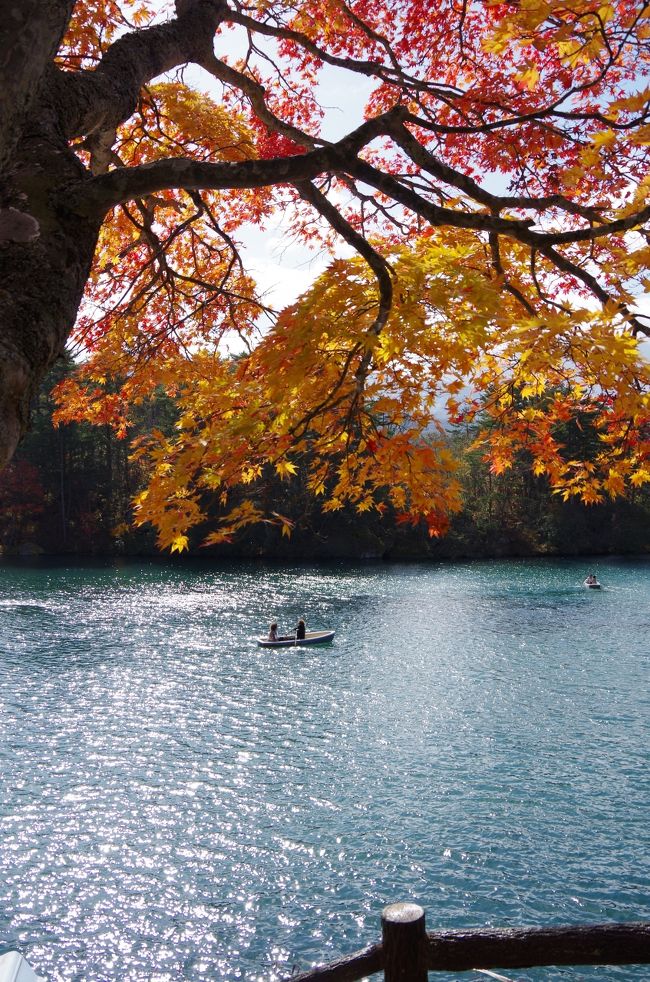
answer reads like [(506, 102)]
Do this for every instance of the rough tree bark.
[(44, 254), (46, 245)]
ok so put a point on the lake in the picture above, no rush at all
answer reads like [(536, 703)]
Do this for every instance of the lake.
[(176, 803)]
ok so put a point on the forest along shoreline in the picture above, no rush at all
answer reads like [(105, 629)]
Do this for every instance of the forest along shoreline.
[(69, 491)]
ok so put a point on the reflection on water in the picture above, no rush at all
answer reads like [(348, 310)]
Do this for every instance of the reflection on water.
[(177, 803)]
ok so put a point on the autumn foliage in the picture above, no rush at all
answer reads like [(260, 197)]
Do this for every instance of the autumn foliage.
[(485, 225)]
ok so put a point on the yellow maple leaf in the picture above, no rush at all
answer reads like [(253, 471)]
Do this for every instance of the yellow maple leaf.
[(639, 477), (606, 138), (285, 468)]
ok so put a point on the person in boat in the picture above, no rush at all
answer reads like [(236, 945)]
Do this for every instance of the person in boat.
[(591, 579), (301, 630), (273, 632)]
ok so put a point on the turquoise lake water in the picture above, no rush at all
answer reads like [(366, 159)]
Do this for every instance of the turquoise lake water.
[(176, 803)]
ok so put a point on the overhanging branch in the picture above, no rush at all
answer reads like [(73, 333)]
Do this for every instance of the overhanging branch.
[(101, 193), (101, 100)]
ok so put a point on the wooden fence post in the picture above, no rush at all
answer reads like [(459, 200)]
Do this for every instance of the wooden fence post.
[(404, 941)]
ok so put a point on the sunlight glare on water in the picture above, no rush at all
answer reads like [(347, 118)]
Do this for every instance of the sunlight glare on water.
[(179, 803)]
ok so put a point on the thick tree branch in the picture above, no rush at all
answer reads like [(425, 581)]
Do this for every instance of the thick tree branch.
[(520, 230), (101, 100), (255, 92), (542, 242), (103, 192), (604, 230), (463, 182)]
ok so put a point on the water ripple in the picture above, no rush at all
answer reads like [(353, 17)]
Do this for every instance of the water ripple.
[(177, 803)]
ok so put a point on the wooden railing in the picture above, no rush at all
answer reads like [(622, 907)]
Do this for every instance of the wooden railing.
[(407, 953)]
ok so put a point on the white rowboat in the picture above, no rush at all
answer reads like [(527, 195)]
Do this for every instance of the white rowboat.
[(290, 641)]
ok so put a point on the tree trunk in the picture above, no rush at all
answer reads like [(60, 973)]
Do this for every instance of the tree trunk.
[(42, 280), (46, 249), (30, 33), (41, 285)]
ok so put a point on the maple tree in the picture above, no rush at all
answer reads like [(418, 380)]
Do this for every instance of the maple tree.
[(492, 203)]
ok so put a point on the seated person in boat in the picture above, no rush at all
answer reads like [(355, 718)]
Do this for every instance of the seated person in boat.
[(300, 630), (273, 632), (591, 579)]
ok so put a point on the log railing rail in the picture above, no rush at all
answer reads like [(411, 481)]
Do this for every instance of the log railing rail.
[(407, 953)]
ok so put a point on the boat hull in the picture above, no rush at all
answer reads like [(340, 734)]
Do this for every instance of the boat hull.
[(311, 637)]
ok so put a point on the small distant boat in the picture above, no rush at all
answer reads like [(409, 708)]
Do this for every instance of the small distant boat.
[(594, 585), (290, 640)]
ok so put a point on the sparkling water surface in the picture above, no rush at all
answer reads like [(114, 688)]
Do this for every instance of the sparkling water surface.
[(176, 803)]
